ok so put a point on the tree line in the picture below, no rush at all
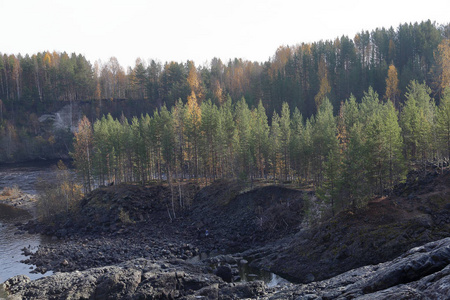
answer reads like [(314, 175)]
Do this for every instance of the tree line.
[(364, 150), (298, 75), (301, 76)]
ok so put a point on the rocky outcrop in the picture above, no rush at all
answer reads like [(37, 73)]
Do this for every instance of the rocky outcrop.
[(383, 230), (105, 250), (136, 279), (421, 273), (65, 118)]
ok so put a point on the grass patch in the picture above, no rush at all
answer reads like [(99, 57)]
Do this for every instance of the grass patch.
[(12, 192), (124, 217)]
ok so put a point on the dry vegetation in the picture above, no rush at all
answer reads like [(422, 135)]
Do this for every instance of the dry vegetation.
[(10, 192)]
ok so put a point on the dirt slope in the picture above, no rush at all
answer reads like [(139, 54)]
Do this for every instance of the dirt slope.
[(418, 213)]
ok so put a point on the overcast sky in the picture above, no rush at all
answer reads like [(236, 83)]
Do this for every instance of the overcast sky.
[(198, 30)]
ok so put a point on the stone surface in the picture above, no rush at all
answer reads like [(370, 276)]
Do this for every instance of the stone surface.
[(420, 273)]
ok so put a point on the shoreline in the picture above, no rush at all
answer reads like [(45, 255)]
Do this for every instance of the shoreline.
[(23, 201)]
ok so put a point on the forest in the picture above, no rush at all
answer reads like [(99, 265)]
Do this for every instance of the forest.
[(364, 151), (351, 115)]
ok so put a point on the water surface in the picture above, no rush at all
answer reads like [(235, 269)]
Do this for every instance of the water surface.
[(24, 176)]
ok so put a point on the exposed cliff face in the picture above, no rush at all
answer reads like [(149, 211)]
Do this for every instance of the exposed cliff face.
[(64, 119)]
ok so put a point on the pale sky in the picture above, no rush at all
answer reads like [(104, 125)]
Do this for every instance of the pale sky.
[(199, 30)]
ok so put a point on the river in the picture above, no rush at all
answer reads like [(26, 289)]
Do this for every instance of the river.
[(24, 176)]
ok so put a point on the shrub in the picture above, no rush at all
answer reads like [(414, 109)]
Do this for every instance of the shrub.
[(60, 197)]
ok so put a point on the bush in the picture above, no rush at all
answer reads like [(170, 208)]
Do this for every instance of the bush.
[(59, 198)]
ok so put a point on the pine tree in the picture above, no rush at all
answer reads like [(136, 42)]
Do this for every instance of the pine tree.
[(393, 144), (243, 130), (167, 142), (375, 156), (229, 137), (323, 137), (178, 116), (275, 154), (417, 121), (297, 132), (353, 182), (330, 187), (372, 140), (348, 116), (209, 127), (260, 135), (307, 150), (144, 128), (285, 138)]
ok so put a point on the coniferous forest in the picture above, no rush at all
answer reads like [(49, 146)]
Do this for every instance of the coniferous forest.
[(351, 115)]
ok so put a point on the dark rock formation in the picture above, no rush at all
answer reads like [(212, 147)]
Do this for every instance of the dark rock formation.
[(267, 226), (421, 273), (136, 279)]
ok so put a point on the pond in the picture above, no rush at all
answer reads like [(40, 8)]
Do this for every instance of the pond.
[(246, 273)]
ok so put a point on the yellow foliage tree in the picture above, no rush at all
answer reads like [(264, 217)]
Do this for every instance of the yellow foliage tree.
[(48, 59), (442, 57), (392, 91), (193, 123), (325, 87), (194, 81)]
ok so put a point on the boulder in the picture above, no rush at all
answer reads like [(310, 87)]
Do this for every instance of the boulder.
[(421, 273)]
